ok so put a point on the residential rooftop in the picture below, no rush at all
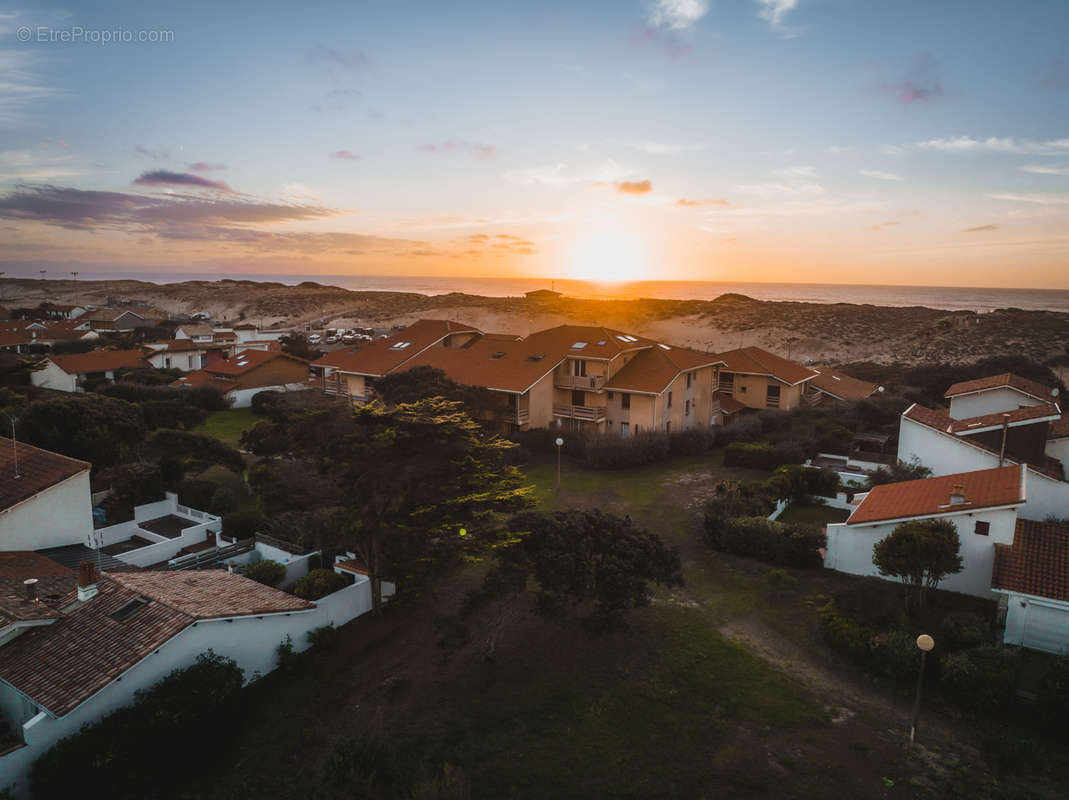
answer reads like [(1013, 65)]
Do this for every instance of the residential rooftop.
[(652, 370), (38, 470), (1037, 563), (755, 361), (377, 358), (1006, 379), (99, 361), (840, 385)]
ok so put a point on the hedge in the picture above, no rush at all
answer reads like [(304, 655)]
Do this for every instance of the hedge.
[(982, 679), (267, 572), (759, 455), (319, 583), (769, 540)]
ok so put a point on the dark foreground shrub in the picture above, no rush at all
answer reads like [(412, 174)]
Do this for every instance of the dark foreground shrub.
[(609, 451), (267, 572), (981, 680), (1053, 697), (319, 583), (188, 716), (759, 455), (961, 630), (769, 540), (242, 524)]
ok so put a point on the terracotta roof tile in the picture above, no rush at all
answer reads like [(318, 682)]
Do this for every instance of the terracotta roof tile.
[(381, 356), (352, 565), (653, 370), (38, 470), (211, 593), (1017, 415), (501, 364), (755, 361), (223, 372), (598, 342), (840, 385), (1037, 563), (729, 405), (99, 361), (1024, 385), (984, 488)]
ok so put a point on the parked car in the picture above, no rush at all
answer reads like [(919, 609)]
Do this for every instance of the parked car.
[(332, 339), (314, 338)]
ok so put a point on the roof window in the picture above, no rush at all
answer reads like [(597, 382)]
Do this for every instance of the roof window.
[(498, 354), (129, 609), (400, 345), (664, 347), (536, 356), (578, 345)]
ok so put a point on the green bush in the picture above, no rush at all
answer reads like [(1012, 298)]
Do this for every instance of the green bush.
[(779, 580), (982, 679), (760, 455), (262, 402), (267, 572), (845, 635), (609, 451), (746, 429), (960, 630), (325, 636), (171, 414), (189, 713), (222, 501), (195, 493), (692, 442), (319, 583), (242, 524), (768, 540)]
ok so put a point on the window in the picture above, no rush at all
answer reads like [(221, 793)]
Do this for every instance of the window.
[(578, 397), (686, 408), (689, 377), (610, 395), (625, 430), (167, 362), (772, 398), (668, 427), (579, 368), (129, 609), (742, 389), (983, 528), (578, 346), (669, 399), (625, 400), (400, 345)]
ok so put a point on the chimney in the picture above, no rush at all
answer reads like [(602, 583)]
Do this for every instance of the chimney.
[(31, 589), (957, 495), (87, 581)]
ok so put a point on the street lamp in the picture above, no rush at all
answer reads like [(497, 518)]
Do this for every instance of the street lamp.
[(14, 442), (925, 643), (560, 444)]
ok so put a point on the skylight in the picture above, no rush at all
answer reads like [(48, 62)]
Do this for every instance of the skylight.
[(129, 609), (400, 345), (578, 345), (602, 342), (623, 337), (664, 346)]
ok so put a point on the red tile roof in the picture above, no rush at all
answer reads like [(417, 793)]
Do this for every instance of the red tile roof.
[(54, 581), (652, 370), (381, 356), (38, 470), (15, 338), (211, 593), (223, 372), (1029, 414), (597, 342), (841, 385), (986, 488), (352, 565), (202, 377), (1007, 379), (729, 405), (755, 361), (1037, 563), (99, 361), (501, 364), (1060, 429)]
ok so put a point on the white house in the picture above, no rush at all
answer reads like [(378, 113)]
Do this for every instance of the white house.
[(982, 505), (70, 373), (44, 501), (181, 354), (1031, 575), (198, 333), (92, 648), (996, 393)]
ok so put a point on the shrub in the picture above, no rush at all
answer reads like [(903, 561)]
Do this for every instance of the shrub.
[(195, 493), (190, 712), (960, 630), (736, 499), (325, 636), (242, 524), (1053, 697), (759, 455), (769, 540), (779, 580), (609, 451), (267, 572), (171, 414), (692, 442), (746, 429), (286, 654), (799, 483), (319, 583), (982, 679), (845, 635), (222, 501), (263, 402)]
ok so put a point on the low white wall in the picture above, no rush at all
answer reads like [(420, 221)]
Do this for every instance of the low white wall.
[(781, 506), (1039, 623), (297, 566), (112, 534), (166, 549), (242, 398)]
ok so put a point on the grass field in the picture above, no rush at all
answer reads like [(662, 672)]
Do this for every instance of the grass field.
[(228, 425), (813, 514)]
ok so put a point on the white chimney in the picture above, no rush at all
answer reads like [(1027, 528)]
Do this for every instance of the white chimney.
[(957, 495), (87, 581), (31, 589)]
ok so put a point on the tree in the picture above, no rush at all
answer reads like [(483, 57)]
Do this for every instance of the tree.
[(420, 485), (102, 430), (898, 472), (418, 383), (196, 447), (586, 564), (297, 345), (920, 554)]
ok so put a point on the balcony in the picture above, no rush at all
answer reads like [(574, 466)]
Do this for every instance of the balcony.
[(514, 416), (588, 413), (590, 383)]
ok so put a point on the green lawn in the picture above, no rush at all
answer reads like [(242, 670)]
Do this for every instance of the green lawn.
[(228, 426), (813, 514)]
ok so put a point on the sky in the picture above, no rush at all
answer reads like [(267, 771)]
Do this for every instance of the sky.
[(819, 141)]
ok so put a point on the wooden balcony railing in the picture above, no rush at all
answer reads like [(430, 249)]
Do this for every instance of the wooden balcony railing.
[(588, 382), (590, 413)]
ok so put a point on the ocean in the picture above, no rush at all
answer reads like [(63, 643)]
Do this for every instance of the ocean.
[(952, 298)]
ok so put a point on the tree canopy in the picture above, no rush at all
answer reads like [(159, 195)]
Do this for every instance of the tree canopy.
[(102, 430), (421, 382), (920, 553)]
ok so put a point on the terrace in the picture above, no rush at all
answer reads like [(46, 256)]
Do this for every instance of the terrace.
[(158, 532)]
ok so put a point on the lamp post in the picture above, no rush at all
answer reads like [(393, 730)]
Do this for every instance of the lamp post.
[(14, 442), (560, 444), (925, 643)]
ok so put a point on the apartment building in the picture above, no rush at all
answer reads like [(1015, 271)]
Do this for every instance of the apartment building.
[(760, 379)]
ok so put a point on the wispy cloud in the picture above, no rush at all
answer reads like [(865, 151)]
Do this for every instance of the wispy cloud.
[(1038, 199), (774, 12), (781, 189), (349, 59), (995, 144), (344, 155), (474, 149), (677, 15), (163, 177), (882, 226), (921, 82), (793, 173), (626, 187), (20, 85), (336, 100), (155, 155), (35, 166), (981, 228), (1045, 169), (880, 175), (558, 175), (206, 166), (685, 203), (658, 148)]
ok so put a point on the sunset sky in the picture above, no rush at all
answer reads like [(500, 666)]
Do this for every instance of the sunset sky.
[(853, 141)]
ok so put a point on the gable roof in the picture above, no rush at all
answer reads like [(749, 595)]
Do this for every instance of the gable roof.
[(597, 341), (224, 372), (1037, 563), (98, 361), (54, 581), (755, 361), (64, 664), (501, 364), (653, 370), (38, 470), (1044, 412), (841, 386), (1006, 379), (110, 314), (381, 356), (985, 488), (195, 329)]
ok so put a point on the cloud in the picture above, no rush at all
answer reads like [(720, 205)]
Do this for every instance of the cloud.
[(1044, 169), (155, 155), (1038, 199), (882, 226), (792, 173), (351, 59), (781, 189), (773, 11), (979, 228), (206, 166), (657, 148), (626, 187), (677, 15), (20, 86), (33, 165), (921, 83), (881, 176), (163, 177), (995, 144), (460, 145), (546, 175), (344, 155), (337, 99), (685, 203)]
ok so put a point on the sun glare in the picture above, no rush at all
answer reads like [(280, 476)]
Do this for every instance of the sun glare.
[(609, 255)]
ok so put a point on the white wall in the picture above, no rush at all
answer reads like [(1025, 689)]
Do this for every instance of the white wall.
[(849, 548), (1059, 449), (1037, 622), (59, 515), (52, 377), (242, 398), (250, 641), (296, 565), (991, 401)]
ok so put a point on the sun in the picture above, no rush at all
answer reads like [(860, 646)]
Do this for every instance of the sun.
[(608, 255)]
